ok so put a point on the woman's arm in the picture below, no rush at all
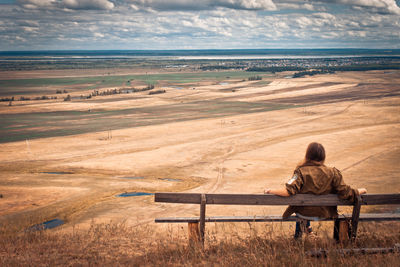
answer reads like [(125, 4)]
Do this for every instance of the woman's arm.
[(277, 191), (284, 193), (292, 187), (345, 191), (362, 191)]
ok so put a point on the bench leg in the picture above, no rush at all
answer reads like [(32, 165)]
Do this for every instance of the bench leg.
[(355, 218), (202, 218), (341, 231), (193, 233), (196, 230)]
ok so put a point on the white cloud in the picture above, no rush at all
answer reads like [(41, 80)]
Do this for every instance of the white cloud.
[(248, 4), (28, 23), (30, 29), (20, 39), (33, 4), (98, 34), (281, 25), (68, 4), (88, 4), (329, 35), (385, 6), (134, 7), (324, 15), (357, 33), (375, 6), (190, 5), (304, 22), (306, 6), (176, 24)]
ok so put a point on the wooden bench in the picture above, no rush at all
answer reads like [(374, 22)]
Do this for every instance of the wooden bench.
[(342, 229)]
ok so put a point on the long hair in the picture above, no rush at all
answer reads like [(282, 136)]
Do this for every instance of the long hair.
[(315, 152)]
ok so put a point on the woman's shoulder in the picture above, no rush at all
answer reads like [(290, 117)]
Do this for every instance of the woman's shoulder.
[(332, 171), (317, 166), (310, 164), (336, 171)]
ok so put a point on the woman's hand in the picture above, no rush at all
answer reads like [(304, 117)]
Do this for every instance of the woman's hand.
[(362, 191), (277, 191), (267, 191)]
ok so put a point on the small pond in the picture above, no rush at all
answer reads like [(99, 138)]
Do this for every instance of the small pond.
[(170, 179), (132, 177), (135, 194), (47, 225)]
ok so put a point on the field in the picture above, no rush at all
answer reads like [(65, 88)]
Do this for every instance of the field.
[(211, 131), (11, 87)]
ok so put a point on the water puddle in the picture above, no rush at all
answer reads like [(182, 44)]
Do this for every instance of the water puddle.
[(224, 83), (59, 173), (135, 194), (47, 225), (170, 179), (132, 177), (177, 87)]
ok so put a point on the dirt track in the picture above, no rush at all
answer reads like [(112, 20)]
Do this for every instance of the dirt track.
[(355, 116)]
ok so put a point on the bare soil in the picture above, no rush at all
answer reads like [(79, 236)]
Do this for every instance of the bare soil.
[(355, 115)]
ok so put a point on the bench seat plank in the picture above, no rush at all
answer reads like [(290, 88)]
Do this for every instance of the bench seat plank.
[(276, 218), (272, 218), (379, 217)]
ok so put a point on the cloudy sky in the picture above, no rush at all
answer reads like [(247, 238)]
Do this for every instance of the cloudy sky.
[(198, 24)]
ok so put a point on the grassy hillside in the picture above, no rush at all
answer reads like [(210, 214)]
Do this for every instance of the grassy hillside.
[(119, 245)]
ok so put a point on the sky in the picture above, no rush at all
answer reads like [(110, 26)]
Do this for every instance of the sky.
[(198, 24)]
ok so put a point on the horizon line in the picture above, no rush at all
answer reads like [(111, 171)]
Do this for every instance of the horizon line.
[(203, 49)]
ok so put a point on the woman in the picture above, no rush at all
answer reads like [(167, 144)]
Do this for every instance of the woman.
[(313, 177)]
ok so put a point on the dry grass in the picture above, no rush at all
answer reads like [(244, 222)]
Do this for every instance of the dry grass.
[(116, 244)]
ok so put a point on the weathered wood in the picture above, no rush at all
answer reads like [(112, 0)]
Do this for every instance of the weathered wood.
[(184, 198), (277, 218), (202, 217), (341, 231), (193, 233), (268, 199), (273, 218), (379, 217), (353, 251), (380, 199), (355, 217), (253, 199)]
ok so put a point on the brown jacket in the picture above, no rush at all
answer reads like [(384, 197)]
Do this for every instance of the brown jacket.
[(316, 178)]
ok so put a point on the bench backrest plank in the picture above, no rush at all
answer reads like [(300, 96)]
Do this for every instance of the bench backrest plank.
[(380, 199), (268, 199)]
